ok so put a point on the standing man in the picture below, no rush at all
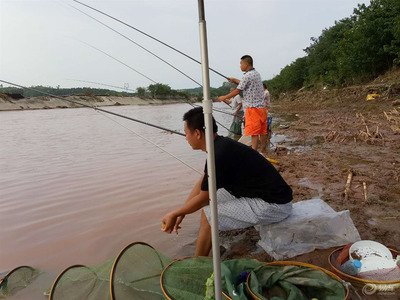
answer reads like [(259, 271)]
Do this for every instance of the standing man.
[(255, 115), (250, 190)]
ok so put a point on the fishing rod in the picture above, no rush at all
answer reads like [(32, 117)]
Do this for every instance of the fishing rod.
[(94, 107), (116, 59), (137, 44), (147, 50), (148, 35), (103, 84)]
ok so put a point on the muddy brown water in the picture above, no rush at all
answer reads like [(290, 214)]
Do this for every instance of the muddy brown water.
[(76, 187)]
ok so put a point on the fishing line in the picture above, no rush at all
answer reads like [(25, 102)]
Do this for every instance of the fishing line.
[(116, 59), (109, 55), (98, 83), (150, 36), (154, 144), (95, 108)]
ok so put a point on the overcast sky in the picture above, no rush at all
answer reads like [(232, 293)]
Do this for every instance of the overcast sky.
[(45, 42)]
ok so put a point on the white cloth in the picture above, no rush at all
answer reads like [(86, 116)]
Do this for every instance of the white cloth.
[(267, 98), (236, 213)]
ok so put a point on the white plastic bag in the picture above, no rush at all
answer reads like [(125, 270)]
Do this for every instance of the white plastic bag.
[(312, 225)]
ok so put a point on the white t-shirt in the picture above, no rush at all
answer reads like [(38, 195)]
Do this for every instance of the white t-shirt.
[(267, 98)]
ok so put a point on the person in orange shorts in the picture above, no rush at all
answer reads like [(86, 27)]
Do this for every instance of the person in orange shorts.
[(253, 102)]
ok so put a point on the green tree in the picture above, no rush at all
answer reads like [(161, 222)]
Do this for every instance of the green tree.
[(141, 92), (159, 90)]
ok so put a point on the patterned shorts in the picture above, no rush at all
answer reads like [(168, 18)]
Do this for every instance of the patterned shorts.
[(236, 213)]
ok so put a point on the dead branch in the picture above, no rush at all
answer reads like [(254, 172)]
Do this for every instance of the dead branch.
[(348, 184), (365, 191)]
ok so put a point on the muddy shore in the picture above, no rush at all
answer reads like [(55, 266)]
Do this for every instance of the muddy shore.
[(334, 133), (47, 102)]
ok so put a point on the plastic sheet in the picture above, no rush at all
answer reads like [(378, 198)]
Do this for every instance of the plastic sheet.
[(312, 225)]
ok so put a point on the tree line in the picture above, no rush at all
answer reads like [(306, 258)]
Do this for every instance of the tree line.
[(155, 91), (356, 49)]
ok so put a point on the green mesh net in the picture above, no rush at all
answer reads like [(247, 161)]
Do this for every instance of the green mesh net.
[(141, 272), (191, 278), (16, 280), (136, 273), (294, 283), (133, 274), (81, 282)]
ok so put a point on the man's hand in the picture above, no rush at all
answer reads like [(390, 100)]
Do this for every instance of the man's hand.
[(222, 98), (233, 80), (171, 222)]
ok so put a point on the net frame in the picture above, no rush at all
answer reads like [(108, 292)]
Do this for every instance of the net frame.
[(4, 279), (57, 280), (117, 260)]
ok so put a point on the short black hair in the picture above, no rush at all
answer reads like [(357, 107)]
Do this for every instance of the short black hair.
[(264, 85), (195, 120), (248, 59)]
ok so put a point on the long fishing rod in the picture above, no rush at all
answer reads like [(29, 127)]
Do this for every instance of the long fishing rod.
[(94, 107), (154, 144), (148, 35), (103, 84), (137, 44), (147, 50), (116, 59)]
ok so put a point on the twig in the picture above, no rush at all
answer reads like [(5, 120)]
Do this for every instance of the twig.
[(365, 191), (347, 186)]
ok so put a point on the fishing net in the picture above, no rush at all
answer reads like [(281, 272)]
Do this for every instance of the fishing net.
[(16, 280), (294, 283), (192, 278), (80, 282), (133, 274), (141, 272), (136, 273)]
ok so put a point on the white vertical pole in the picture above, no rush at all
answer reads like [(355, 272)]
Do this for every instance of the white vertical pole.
[(207, 110)]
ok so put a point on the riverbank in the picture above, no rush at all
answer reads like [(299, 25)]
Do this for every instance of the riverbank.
[(46, 102), (330, 134)]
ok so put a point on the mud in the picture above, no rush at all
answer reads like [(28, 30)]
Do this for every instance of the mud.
[(332, 133)]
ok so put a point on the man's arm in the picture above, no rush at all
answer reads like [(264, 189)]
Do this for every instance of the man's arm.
[(228, 96), (195, 201), (234, 80)]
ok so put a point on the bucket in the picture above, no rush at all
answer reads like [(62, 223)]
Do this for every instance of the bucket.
[(299, 264), (355, 281)]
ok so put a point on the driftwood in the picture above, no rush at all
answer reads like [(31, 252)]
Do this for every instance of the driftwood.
[(348, 184)]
